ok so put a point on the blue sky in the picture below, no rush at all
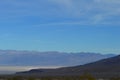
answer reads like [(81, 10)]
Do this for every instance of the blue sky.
[(60, 25)]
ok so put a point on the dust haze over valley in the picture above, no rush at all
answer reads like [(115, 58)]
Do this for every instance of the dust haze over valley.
[(12, 61)]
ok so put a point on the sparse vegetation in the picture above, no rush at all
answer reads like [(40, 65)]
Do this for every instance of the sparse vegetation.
[(82, 77), (85, 76)]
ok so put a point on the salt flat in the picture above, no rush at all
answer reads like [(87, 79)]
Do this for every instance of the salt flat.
[(14, 69)]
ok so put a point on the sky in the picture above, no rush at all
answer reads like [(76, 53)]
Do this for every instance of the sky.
[(60, 25)]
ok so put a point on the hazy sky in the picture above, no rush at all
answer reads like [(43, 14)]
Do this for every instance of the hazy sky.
[(60, 25)]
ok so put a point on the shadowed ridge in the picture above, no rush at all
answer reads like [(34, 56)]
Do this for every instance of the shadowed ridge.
[(105, 67)]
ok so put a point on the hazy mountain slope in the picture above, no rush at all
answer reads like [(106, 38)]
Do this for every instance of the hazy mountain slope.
[(32, 58), (109, 67), (105, 65)]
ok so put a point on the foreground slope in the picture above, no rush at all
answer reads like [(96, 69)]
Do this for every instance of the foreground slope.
[(106, 67)]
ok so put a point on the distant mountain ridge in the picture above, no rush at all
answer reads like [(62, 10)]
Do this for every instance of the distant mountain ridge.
[(51, 58)]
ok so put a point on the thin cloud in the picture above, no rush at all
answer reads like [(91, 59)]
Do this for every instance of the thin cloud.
[(93, 11), (98, 11)]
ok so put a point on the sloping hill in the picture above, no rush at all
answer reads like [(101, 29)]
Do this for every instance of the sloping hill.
[(106, 67)]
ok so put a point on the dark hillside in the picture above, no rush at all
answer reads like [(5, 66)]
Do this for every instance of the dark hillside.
[(106, 67)]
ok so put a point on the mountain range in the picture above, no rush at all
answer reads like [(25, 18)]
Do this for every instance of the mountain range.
[(109, 67), (50, 58)]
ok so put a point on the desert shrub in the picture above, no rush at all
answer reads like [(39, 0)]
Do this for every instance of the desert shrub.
[(87, 77), (31, 78), (15, 78), (115, 78)]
